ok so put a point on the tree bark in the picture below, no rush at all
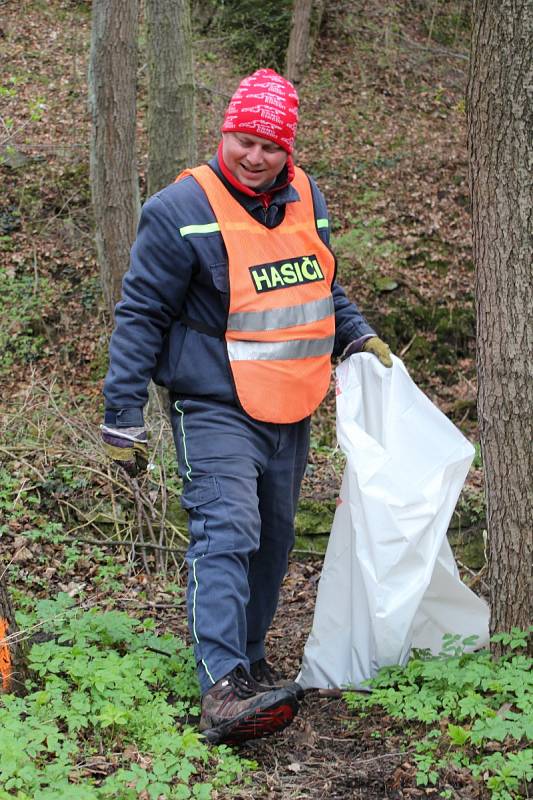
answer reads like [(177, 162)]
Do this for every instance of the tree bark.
[(305, 24), (112, 98), (171, 127), (500, 153), (12, 653)]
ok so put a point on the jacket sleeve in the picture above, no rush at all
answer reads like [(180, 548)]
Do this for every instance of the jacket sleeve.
[(350, 324), (153, 292)]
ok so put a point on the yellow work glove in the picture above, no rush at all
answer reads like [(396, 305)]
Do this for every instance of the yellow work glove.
[(378, 348)]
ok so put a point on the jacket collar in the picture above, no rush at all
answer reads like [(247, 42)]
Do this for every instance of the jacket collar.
[(279, 194)]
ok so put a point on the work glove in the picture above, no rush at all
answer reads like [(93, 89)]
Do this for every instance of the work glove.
[(378, 348), (127, 447)]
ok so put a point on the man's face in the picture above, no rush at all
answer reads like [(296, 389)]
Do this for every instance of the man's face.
[(255, 162)]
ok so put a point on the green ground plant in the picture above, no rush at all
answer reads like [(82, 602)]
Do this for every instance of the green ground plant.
[(22, 308), (106, 685), (477, 710), (363, 247)]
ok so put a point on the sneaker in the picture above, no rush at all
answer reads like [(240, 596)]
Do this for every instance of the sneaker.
[(237, 709), (266, 676)]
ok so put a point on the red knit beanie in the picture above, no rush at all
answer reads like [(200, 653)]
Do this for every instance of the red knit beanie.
[(266, 105)]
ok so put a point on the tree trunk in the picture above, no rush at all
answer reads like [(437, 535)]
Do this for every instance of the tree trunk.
[(499, 120), (12, 653), (305, 24), (171, 128), (112, 97)]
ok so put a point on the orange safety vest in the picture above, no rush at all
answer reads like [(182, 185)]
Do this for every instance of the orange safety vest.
[(281, 318)]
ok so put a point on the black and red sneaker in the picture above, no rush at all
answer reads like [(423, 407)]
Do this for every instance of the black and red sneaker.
[(237, 709)]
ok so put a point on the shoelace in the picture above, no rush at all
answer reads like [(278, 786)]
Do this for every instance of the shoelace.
[(264, 672), (242, 683)]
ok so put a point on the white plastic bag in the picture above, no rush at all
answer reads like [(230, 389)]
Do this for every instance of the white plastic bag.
[(389, 580)]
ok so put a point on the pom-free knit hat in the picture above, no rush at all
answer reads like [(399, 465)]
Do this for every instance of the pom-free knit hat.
[(266, 105)]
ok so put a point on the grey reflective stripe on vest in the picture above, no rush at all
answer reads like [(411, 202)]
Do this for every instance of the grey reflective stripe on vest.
[(276, 318), (279, 351)]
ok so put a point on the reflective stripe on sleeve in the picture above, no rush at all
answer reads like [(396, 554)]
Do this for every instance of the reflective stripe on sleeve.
[(322, 223), (276, 318), (279, 351), (210, 227)]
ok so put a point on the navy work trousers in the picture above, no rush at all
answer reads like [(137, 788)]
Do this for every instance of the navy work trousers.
[(241, 480)]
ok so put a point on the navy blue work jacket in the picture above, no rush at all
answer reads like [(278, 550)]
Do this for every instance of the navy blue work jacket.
[(176, 271)]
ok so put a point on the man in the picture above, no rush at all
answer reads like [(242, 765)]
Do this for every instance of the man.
[(231, 303)]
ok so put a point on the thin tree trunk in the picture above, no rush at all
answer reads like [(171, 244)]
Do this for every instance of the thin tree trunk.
[(112, 96), (12, 654), (305, 24), (499, 120), (171, 128)]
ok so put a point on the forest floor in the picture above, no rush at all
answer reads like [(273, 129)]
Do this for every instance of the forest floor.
[(383, 131)]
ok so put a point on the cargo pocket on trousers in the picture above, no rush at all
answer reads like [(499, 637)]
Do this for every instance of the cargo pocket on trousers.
[(196, 497)]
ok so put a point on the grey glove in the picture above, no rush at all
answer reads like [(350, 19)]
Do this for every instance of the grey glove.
[(127, 447)]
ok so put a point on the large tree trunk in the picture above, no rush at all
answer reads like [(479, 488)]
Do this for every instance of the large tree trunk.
[(12, 654), (499, 120), (112, 96), (305, 24), (171, 128)]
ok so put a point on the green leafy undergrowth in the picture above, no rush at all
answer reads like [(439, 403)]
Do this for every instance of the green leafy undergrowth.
[(23, 309), (363, 247), (105, 690), (477, 708)]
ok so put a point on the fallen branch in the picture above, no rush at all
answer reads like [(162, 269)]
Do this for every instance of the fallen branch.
[(127, 543)]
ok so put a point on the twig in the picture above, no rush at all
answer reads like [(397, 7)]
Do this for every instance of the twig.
[(436, 50), (468, 381), (78, 511), (113, 505), (70, 423), (430, 31), (209, 89), (22, 488), (149, 525), (148, 604), (12, 135), (97, 472), (58, 213), (35, 272), (126, 543), (369, 760), (466, 569), (463, 418), (24, 461), (405, 349), (56, 146), (308, 553), (6, 568), (479, 579), (143, 552), (476, 576), (129, 489)]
